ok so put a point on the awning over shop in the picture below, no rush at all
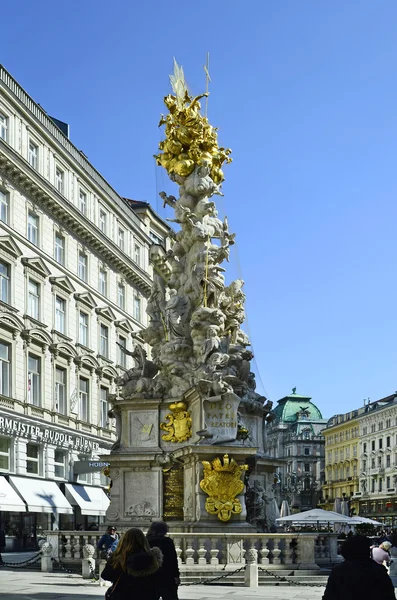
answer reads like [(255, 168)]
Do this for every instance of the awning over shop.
[(10, 501), (92, 500), (41, 496)]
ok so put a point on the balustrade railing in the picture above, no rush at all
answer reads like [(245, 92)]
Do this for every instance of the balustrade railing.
[(212, 551)]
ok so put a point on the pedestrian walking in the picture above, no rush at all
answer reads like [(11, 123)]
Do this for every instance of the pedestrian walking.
[(381, 553), (132, 568), (108, 542), (358, 577), (168, 574)]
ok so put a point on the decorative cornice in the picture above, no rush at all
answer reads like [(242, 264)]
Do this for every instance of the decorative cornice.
[(63, 283), (36, 265)]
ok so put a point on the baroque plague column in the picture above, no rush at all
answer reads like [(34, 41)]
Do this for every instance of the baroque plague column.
[(190, 424)]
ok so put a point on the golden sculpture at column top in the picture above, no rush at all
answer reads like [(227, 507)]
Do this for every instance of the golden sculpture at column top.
[(222, 482), (190, 140), (179, 426)]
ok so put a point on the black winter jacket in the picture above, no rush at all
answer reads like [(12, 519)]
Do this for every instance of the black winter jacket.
[(360, 579), (169, 569), (139, 581)]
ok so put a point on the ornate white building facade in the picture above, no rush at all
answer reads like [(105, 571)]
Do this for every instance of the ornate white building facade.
[(74, 277), (378, 460)]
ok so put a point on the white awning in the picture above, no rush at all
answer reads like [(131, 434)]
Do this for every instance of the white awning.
[(9, 499), (92, 500), (42, 496)]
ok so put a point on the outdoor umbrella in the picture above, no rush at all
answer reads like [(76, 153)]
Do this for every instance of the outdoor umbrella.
[(338, 506), (284, 510), (316, 515), (345, 508), (360, 520)]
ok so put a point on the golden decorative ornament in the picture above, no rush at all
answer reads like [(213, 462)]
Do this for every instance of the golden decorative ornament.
[(179, 426), (222, 482), (188, 133)]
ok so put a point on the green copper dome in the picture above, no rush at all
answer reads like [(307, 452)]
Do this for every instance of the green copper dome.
[(294, 407)]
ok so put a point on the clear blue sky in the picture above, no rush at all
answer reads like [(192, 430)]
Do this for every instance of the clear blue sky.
[(305, 93)]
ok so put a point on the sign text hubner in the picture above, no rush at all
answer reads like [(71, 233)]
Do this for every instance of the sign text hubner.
[(45, 434)]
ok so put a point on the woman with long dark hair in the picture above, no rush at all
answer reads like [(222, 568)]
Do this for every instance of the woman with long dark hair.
[(132, 568), (168, 574)]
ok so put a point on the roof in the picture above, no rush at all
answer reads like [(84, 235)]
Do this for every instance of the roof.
[(141, 204), (289, 407)]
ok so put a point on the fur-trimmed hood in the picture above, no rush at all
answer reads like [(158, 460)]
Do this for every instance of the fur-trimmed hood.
[(142, 564)]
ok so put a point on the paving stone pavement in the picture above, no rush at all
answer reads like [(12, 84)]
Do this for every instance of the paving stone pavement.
[(34, 585)]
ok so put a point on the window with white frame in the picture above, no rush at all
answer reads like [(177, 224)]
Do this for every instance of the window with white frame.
[(34, 371), (5, 363), (120, 239), (103, 218), (137, 254), (103, 281), (121, 296), (60, 390), (4, 207), (3, 127), (32, 459), (83, 399), (83, 266), (83, 202), (59, 464), (59, 180), (137, 308), (33, 228), (59, 248), (83, 328), (104, 340), (122, 356), (104, 407), (4, 282), (34, 299), (33, 155), (155, 238), (5, 454), (60, 313)]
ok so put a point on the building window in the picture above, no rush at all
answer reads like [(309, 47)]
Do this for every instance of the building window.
[(373, 428), (155, 238), (388, 423), (83, 266), (388, 443), (4, 369), (137, 308), (380, 484), (4, 454), (120, 239), (121, 296), (355, 450), (103, 281), (83, 328), (365, 430), (60, 390), (104, 407), (388, 460), (59, 464), (59, 248), (33, 228), (59, 180), (103, 221), (34, 368), (60, 310), (364, 465), (4, 207), (83, 408), (33, 155), (306, 451), (307, 467), (3, 127), (122, 356), (34, 299), (83, 202), (380, 444), (137, 254), (372, 463), (104, 340), (32, 459), (373, 445), (4, 282), (364, 447)]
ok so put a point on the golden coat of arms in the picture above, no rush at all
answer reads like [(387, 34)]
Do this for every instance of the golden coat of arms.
[(222, 482), (179, 426)]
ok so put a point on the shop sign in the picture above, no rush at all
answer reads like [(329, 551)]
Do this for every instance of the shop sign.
[(87, 466), (44, 434)]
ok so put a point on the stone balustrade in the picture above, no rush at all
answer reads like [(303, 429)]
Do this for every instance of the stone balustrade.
[(215, 551)]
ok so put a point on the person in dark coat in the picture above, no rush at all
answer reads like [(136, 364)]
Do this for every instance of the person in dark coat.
[(168, 575), (108, 542), (132, 568), (358, 577)]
